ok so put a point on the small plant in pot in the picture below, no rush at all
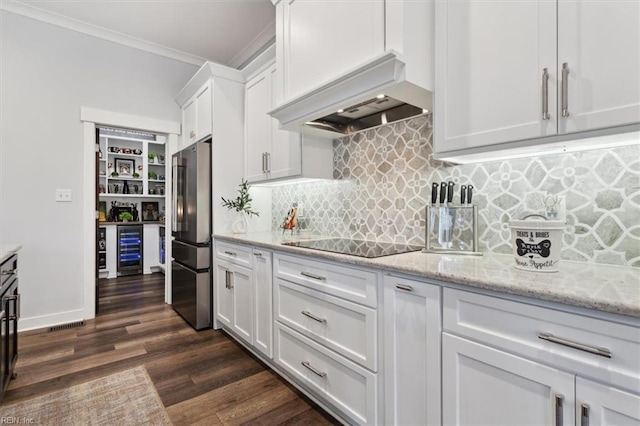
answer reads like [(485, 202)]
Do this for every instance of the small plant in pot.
[(152, 157), (114, 174), (125, 216), (153, 175), (242, 205), (135, 175)]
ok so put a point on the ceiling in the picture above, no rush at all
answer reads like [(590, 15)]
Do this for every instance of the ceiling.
[(229, 32)]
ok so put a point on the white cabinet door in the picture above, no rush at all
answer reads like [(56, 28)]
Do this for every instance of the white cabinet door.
[(258, 127), (323, 39), (263, 301), (490, 57), (204, 112), (223, 293), (151, 244), (242, 289), (602, 405), (600, 43), (486, 386), (285, 156), (189, 120), (412, 352)]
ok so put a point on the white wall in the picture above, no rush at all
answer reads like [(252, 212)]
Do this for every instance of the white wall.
[(46, 74)]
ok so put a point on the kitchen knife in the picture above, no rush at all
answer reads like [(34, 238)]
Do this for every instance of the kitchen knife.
[(434, 200), (451, 214), (463, 194), (469, 193), (442, 215)]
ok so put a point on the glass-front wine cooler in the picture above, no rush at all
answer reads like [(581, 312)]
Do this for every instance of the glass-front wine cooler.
[(129, 249)]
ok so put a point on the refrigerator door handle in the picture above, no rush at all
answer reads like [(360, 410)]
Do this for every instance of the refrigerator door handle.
[(177, 214)]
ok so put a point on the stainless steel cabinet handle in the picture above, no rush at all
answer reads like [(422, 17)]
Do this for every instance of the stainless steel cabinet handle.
[(227, 279), (257, 254), (584, 415), (314, 317), (231, 253), (264, 162), (559, 413), (10, 272), (314, 276), (313, 370), (404, 287), (268, 162), (545, 94), (575, 345), (565, 90)]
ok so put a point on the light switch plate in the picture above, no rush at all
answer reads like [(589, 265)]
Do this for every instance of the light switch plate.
[(63, 195)]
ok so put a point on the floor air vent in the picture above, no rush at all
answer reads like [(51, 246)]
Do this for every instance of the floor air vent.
[(66, 326)]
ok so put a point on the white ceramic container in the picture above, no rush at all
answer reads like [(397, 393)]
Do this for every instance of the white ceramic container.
[(537, 244)]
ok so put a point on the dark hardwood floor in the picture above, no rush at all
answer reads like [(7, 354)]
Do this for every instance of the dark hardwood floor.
[(202, 377)]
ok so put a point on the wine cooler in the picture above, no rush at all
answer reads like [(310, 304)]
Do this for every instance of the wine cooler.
[(129, 249)]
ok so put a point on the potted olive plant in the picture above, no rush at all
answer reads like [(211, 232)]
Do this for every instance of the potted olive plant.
[(125, 216), (242, 206)]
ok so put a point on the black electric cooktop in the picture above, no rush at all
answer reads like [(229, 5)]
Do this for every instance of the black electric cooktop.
[(362, 248)]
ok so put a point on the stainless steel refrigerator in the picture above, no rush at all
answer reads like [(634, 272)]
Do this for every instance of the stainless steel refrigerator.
[(191, 247)]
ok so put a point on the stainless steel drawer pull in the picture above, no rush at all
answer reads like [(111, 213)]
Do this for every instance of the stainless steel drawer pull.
[(230, 253), (575, 345), (257, 254), (313, 370), (565, 90), (227, 279), (264, 161), (404, 287), (584, 415), (314, 276), (314, 317), (10, 272), (559, 413), (545, 94)]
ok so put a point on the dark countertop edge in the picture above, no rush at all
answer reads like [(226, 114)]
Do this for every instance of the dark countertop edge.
[(574, 300), (131, 223)]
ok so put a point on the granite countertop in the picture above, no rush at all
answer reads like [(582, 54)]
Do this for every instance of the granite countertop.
[(606, 288), (7, 250)]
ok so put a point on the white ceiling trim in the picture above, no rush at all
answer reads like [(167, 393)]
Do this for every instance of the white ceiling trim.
[(95, 31), (259, 42)]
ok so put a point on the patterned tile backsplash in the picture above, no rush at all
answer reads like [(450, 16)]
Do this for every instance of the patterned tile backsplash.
[(383, 180)]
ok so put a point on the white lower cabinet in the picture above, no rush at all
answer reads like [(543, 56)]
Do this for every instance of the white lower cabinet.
[(598, 404), (342, 383), (234, 298), (263, 301), (486, 386), (411, 352)]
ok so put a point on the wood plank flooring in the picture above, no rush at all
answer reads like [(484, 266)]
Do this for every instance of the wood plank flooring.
[(203, 378)]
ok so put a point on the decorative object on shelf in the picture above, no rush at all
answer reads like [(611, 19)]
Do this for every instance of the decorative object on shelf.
[(152, 191), (114, 188), (134, 212), (160, 158), (101, 189), (125, 166), (135, 175), (125, 188), (161, 177), (150, 211), (137, 189), (99, 152), (152, 157), (140, 167), (292, 218), (114, 149), (102, 211), (153, 175), (137, 151), (112, 211), (114, 174), (125, 216), (126, 150), (160, 189), (110, 165), (242, 205)]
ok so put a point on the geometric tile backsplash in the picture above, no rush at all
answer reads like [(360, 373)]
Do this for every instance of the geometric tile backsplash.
[(383, 178)]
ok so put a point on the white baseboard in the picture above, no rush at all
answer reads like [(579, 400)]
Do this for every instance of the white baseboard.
[(43, 321)]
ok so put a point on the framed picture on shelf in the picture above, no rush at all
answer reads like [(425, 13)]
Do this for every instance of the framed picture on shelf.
[(150, 211), (125, 167), (102, 211)]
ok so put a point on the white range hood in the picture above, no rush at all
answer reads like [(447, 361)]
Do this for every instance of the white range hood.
[(375, 93)]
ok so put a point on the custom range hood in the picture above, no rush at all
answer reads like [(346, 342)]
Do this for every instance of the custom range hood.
[(379, 91)]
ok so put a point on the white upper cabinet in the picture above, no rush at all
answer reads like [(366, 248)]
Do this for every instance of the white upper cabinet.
[(600, 43), (323, 39), (196, 116), (501, 75), (270, 153)]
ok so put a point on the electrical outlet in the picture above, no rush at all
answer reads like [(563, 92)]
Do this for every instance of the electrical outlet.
[(562, 210), (63, 195), (300, 210)]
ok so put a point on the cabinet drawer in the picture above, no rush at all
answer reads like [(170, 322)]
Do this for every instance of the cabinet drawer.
[(343, 326), (346, 386), (349, 283), (547, 335), (234, 253)]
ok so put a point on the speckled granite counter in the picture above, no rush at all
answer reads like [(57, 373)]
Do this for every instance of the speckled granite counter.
[(613, 289), (7, 250)]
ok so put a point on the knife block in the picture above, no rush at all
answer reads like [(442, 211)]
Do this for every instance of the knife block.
[(452, 229)]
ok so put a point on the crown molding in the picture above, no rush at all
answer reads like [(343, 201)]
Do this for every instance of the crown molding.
[(29, 11), (257, 44)]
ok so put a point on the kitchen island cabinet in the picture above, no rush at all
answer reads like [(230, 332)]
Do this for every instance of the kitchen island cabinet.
[(546, 73), (9, 314)]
